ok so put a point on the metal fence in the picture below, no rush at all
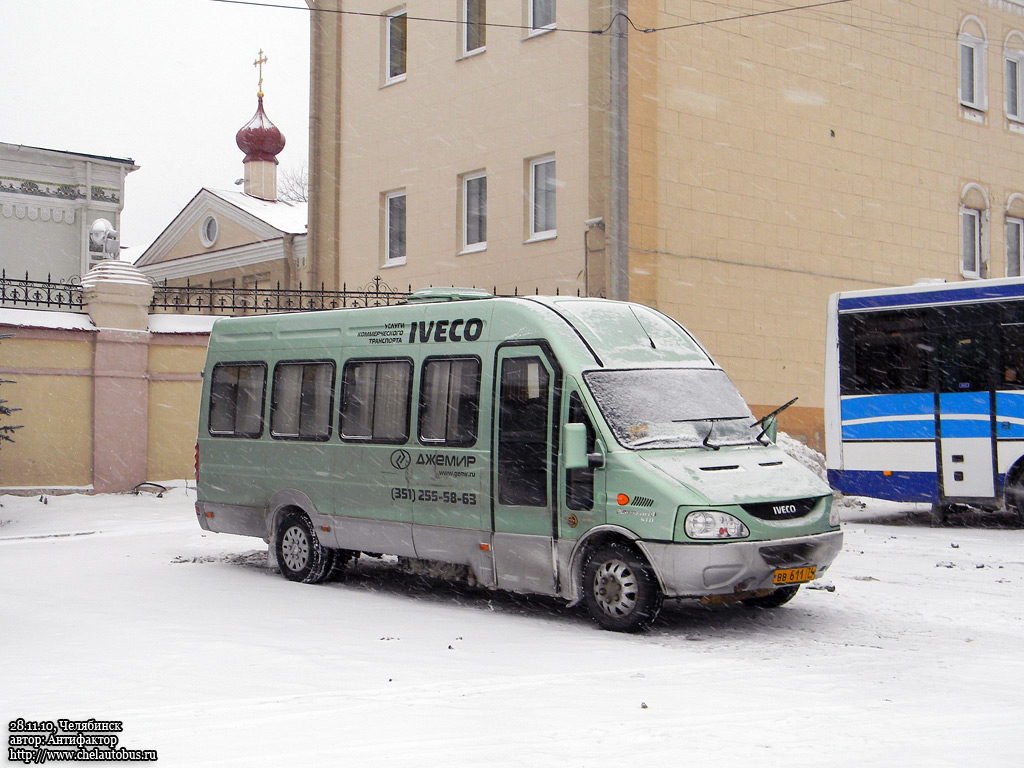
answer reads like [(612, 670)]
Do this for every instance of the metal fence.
[(40, 294), (210, 299), (244, 300)]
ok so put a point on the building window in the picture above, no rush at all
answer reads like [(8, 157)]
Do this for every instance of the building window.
[(208, 231), (394, 228), (396, 45), (542, 14), (970, 248), (1013, 65), (302, 399), (1014, 241), (475, 30), (474, 212), (972, 65), (542, 198)]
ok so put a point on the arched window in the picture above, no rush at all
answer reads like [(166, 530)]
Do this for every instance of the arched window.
[(1015, 235), (973, 231), (1013, 71), (973, 81)]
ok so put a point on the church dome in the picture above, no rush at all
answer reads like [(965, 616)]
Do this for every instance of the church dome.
[(260, 139)]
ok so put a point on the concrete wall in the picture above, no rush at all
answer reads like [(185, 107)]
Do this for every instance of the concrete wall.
[(102, 407)]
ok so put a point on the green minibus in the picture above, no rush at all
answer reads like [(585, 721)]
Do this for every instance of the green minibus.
[(581, 448)]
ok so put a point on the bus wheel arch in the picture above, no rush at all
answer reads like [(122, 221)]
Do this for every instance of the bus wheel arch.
[(300, 554), (1013, 490), (616, 582)]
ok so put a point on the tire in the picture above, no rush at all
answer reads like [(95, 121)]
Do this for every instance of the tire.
[(340, 558), (940, 514), (1013, 495), (776, 599), (620, 589), (300, 554)]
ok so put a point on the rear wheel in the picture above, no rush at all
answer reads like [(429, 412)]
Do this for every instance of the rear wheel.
[(620, 589), (300, 554), (778, 598), (1013, 495)]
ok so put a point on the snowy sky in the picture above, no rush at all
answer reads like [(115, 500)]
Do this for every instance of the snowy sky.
[(166, 83)]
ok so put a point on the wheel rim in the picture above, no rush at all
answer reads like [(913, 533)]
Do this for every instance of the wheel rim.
[(615, 588), (295, 548)]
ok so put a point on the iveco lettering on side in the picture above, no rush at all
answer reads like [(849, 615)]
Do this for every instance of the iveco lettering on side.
[(582, 448)]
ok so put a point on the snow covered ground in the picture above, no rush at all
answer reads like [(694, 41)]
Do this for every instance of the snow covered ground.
[(122, 608)]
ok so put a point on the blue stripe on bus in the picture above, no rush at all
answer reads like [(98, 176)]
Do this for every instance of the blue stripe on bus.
[(967, 428), (939, 296), (876, 406), (976, 403), (899, 486), (1010, 404), (917, 429)]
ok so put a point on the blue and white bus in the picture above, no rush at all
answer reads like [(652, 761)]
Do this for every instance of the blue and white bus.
[(924, 394)]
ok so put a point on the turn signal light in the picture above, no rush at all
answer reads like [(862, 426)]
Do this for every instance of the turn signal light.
[(623, 499)]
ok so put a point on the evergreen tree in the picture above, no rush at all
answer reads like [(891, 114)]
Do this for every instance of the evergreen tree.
[(5, 429)]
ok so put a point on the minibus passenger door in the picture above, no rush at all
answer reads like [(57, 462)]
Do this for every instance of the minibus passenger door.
[(523, 470)]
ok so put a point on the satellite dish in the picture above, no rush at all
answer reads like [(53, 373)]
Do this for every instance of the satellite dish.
[(103, 237)]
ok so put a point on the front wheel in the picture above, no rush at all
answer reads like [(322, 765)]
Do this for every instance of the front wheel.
[(300, 554), (620, 589)]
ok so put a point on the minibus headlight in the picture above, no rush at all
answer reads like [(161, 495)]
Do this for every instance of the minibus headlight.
[(709, 524)]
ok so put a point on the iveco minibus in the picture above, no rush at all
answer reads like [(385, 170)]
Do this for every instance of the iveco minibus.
[(582, 448)]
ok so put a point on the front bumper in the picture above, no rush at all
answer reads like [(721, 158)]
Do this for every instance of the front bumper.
[(722, 568)]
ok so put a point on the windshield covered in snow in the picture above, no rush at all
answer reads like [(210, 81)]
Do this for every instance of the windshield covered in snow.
[(673, 408)]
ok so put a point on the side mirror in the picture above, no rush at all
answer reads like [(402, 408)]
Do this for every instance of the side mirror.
[(771, 428), (575, 453)]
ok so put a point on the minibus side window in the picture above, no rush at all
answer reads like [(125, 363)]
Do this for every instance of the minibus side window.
[(301, 400), (523, 433), (375, 400), (236, 399), (450, 401), (579, 485)]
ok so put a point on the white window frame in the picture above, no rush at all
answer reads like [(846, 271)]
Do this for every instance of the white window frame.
[(979, 81), (534, 232), (388, 19), (532, 8), (209, 231), (970, 250), (1014, 107), (389, 260), (480, 245), (1015, 258), (467, 6)]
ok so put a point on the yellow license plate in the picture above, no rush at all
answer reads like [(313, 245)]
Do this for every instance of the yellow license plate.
[(794, 575)]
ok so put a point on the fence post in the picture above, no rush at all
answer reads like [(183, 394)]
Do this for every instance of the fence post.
[(117, 297)]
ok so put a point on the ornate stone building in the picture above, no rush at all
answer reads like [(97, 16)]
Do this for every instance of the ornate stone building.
[(59, 211)]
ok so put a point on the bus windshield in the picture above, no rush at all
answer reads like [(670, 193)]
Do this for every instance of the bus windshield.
[(673, 408)]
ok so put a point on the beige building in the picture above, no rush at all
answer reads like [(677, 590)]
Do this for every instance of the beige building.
[(772, 159)]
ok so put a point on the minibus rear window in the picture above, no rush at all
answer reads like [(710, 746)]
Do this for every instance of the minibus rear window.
[(672, 408), (236, 399)]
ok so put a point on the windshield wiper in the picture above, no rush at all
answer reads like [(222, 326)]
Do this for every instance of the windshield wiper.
[(765, 418), (712, 419)]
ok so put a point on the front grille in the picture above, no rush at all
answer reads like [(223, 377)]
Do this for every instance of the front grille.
[(780, 510)]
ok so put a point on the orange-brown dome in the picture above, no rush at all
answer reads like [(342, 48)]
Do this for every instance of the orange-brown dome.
[(260, 139)]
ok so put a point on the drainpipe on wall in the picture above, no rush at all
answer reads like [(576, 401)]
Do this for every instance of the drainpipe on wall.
[(618, 151)]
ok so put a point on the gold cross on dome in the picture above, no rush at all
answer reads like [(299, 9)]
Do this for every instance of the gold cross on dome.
[(260, 61)]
